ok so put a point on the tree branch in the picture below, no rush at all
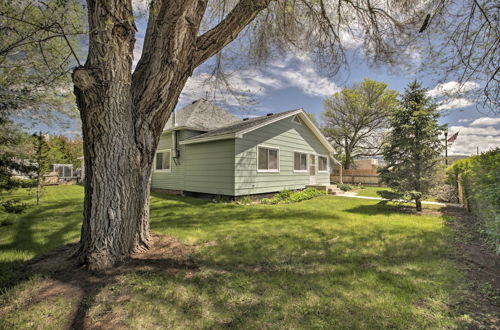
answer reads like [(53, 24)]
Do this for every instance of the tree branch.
[(228, 29)]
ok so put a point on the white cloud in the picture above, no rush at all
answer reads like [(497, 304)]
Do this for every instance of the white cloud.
[(452, 88), (470, 138), (465, 120), (455, 104), (451, 95), (298, 72), (485, 121), (301, 73)]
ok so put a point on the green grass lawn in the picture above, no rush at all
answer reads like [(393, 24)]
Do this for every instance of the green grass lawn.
[(372, 192), (330, 262)]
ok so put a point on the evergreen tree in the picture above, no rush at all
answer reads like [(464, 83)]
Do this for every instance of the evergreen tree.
[(413, 147), (41, 158)]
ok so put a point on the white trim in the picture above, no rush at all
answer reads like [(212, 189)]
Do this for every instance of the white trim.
[(267, 122), (169, 159), (182, 128), (210, 138), (300, 112), (257, 158), (307, 161), (327, 163), (296, 120)]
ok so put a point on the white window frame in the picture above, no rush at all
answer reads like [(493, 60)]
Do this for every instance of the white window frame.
[(307, 161), (327, 163), (257, 158), (298, 121), (169, 159)]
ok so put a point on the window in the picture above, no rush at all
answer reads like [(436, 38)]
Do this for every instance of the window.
[(267, 159), (162, 162), (322, 164), (296, 119), (63, 170), (299, 162)]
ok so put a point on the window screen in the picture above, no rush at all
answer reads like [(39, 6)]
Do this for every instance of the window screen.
[(322, 163), (299, 161), (268, 159), (163, 160)]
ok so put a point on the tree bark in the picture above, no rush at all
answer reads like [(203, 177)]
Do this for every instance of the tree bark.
[(418, 204), (123, 114)]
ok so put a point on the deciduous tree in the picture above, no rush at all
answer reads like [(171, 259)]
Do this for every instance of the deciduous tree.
[(356, 118), (123, 111)]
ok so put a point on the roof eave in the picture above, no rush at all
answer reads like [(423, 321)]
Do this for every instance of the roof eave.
[(316, 131), (211, 138), (179, 128)]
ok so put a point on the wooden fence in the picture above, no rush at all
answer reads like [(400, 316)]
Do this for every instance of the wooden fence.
[(367, 177)]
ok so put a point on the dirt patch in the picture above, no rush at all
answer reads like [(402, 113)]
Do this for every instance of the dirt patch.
[(482, 267), (62, 279)]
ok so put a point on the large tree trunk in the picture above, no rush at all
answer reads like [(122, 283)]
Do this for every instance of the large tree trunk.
[(117, 170), (123, 115)]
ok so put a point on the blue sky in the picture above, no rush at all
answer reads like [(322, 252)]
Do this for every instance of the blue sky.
[(294, 82)]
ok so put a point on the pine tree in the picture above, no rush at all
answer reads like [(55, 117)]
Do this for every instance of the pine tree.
[(413, 147), (42, 164)]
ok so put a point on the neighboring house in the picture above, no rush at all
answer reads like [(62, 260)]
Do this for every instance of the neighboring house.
[(204, 149)]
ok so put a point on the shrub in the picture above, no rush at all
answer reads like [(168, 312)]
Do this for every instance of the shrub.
[(266, 201), (345, 187), (23, 183), (287, 196), (479, 179), (14, 206), (306, 194)]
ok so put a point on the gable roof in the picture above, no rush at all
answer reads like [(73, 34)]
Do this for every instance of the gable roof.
[(200, 115), (242, 125), (237, 130)]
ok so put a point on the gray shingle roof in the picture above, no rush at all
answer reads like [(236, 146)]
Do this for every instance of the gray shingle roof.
[(201, 115), (241, 125)]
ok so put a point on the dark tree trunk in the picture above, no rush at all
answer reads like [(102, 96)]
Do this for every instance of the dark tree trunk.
[(418, 204), (123, 115)]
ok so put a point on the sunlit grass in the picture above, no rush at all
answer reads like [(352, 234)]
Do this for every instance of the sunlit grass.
[(330, 262)]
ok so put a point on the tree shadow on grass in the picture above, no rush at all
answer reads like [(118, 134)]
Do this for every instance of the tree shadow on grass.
[(290, 265), (289, 276), (385, 209)]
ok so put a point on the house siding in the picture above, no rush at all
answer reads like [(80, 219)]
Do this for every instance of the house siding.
[(209, 167), (289, 137), (204, 167), (229, 167), (175, 178)]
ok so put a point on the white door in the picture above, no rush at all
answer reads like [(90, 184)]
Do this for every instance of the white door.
[(312, 169)]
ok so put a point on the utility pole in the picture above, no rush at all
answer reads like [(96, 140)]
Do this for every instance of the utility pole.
[(446, 148)]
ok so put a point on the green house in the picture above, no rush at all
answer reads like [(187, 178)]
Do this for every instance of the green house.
[(204, 149)]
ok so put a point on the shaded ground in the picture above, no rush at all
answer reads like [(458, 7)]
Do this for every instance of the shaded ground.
[(328, 262), (481, 299), (62, 280)]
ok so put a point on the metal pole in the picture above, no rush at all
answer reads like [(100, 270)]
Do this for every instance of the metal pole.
[(446, 148)]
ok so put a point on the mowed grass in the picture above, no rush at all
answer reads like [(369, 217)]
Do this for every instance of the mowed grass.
[(330, 262), (372, 192)]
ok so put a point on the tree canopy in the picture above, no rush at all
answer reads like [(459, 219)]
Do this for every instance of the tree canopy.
[(413, 147), (356, 119), (40, 42)]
